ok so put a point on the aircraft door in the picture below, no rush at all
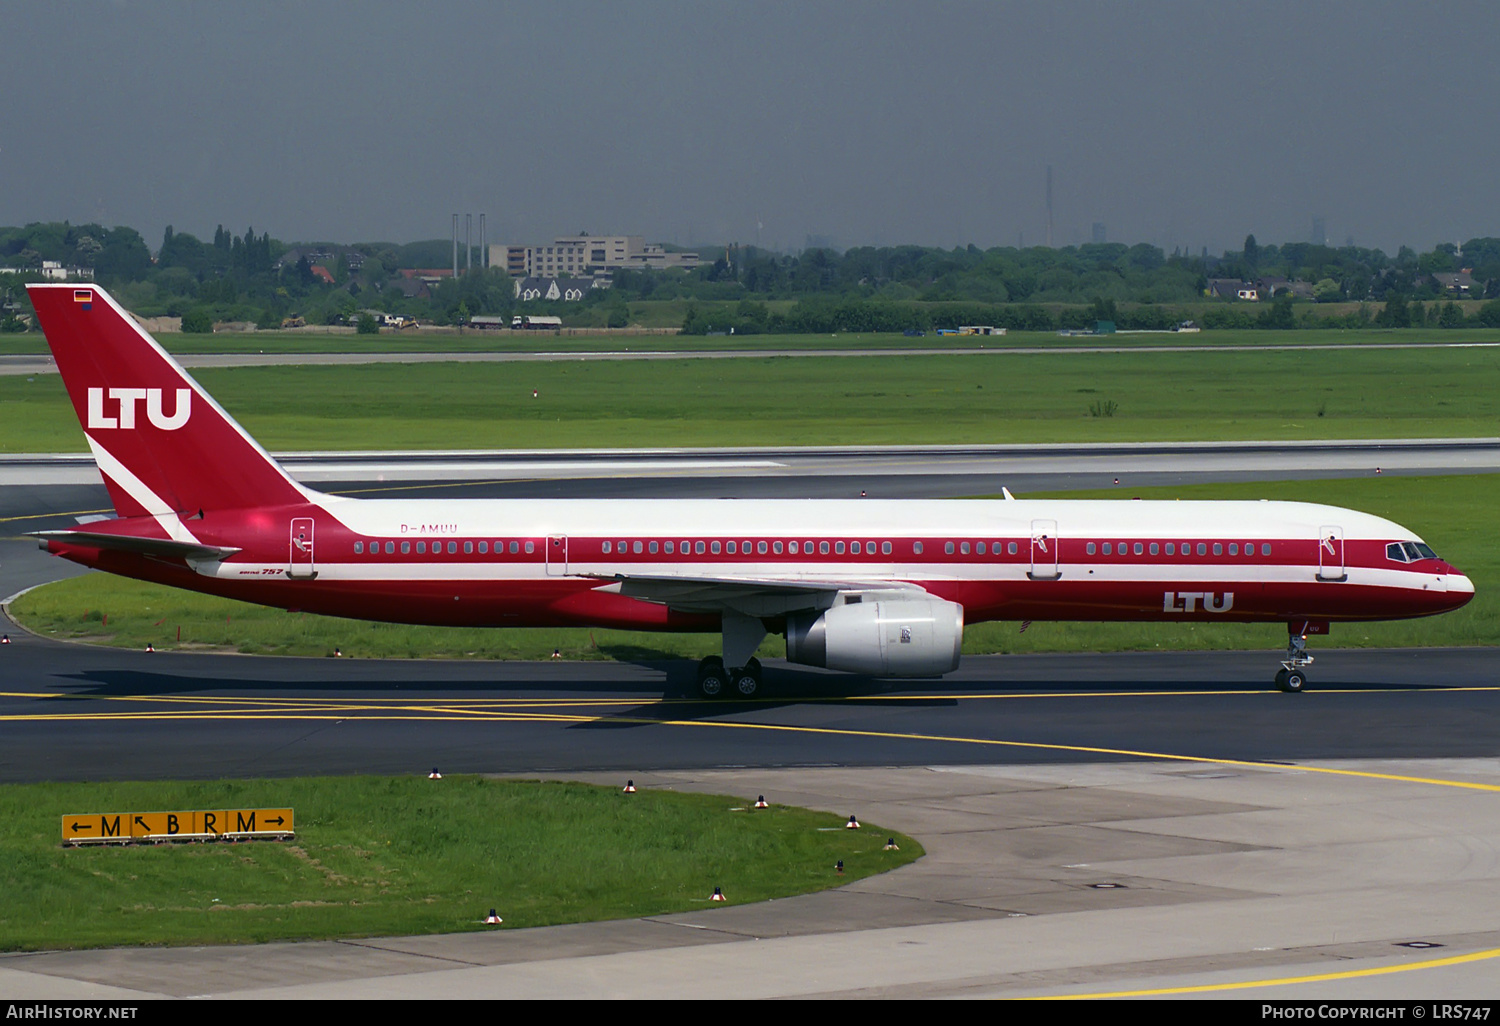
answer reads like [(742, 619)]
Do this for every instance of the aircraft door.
[(1331, 554), (300, 561), (1044, 551), (557, 555)]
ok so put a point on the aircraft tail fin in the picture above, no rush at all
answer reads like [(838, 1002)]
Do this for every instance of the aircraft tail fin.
[(162, 443)]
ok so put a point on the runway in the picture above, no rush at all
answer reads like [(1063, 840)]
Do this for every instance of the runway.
[(1095, 824), (17, 364)]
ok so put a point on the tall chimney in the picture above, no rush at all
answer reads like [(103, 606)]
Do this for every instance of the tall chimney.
[(468, 243), (455, 245), (484, 249), (1049, 206)]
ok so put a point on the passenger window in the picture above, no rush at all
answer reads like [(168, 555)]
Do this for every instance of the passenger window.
[(405, 548), (1108, 549), (854, 548), (652, 547), (714, 547), (669, 546), (1218, 549), (1089, 548), (484, 548), (1139, 548), (1202, 549), (885, 548), (1234, 549), (822, 548), (515, 547), (1265, 548), (468, 548), (698, 548), (530, 547), (1154, 548), (637, 548), (730, 548), (776, 548), (948, 548), (390, 547), (838, 548), (452, 548), (916, 548), (791, 547), (1171, 549), (1011, 548), (421, 548), (979, 548), (359, 548), (606, 548)]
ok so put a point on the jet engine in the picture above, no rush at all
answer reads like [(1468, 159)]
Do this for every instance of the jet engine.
[(883, 638)]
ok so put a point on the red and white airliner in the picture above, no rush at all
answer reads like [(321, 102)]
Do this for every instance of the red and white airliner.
[(874, 587)]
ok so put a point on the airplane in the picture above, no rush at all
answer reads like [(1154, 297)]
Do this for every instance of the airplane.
[(876, 587)]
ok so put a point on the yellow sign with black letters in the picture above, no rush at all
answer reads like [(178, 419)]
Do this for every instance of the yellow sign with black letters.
[(195, 825)]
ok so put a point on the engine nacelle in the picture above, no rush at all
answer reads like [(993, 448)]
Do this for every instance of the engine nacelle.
[(900, 638)]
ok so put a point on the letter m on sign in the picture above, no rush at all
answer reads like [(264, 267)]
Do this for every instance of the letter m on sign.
[(244, 821)]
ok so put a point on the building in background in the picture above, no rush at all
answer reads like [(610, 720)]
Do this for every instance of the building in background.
[(579, 255)]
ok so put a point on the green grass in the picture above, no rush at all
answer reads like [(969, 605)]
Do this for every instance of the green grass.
[(1454, 514), (384, 856), (478, 341), (1345, 393)]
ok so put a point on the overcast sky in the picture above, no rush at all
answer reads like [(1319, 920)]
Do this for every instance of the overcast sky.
[(1180, 124)]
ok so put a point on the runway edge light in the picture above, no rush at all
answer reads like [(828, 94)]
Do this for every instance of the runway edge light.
[(760, 802), (853, 823), (630, 787)]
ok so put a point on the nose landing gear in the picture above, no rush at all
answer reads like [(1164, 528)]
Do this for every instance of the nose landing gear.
[(1293, 675)]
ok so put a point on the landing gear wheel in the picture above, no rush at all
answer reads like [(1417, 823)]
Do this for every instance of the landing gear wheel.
[(1291, 680), (711, 677), (746, 681)]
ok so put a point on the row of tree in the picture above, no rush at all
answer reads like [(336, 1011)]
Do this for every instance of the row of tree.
[(253, 277)]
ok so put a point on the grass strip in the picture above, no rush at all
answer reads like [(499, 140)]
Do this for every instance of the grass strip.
[(388, 856), (995, 398), (1455, 514)]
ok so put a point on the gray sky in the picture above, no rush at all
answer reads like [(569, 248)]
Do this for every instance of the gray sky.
[(870, 123)]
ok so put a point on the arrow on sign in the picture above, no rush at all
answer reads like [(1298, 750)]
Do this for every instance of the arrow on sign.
[(278, 821), (81, 826)]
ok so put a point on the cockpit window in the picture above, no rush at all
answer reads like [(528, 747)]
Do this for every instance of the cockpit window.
[(1394, 551), (1426, 552), (1409, 552)]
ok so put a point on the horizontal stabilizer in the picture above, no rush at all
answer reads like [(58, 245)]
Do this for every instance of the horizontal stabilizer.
[(163, 547)]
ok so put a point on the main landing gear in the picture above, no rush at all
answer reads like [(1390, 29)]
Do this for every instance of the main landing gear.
[(1293, 676), (714, 681)]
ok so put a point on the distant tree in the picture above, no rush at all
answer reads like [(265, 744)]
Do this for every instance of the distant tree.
[(1251, 253), (1326, 291), (198, 321), (1451, 317), (366, 325), (1395, 315)]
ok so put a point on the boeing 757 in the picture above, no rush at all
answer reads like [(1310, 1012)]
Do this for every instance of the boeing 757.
[(868, 586)]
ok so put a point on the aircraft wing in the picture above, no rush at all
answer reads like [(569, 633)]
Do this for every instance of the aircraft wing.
[(164, 548), (749, 596)]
